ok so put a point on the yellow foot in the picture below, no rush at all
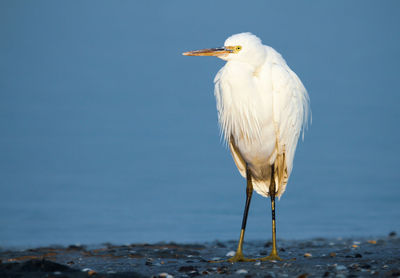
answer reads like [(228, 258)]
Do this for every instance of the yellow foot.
[(271, 257), (237, 258)]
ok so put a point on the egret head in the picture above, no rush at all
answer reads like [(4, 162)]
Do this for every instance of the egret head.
[(243, 47)]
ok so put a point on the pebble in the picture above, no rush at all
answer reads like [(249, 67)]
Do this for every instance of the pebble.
[(230, 254), (307, 255), (165, 275), (89, 271), (270, 275), (354, 266), (241, 271), (304, 275), (257, 263), (222, 270), (372, 241), (356, 242), (332, 254), (340, 268)]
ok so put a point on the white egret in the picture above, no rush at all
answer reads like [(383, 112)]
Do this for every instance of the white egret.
[(262, 108)]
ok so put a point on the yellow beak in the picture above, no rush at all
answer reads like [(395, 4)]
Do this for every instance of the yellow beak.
[(209, 52)]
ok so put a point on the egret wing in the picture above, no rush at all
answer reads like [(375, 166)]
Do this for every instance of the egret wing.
[(291, 109)]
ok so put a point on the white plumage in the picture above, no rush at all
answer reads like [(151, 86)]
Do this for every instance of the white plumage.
[(262, 107)]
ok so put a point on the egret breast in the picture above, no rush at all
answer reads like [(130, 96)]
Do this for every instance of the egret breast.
[(248, 110), (259, 152)]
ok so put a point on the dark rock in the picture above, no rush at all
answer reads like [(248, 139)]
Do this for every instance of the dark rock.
[(326, 274), (358, 255), (268, 244), (392, 234), (187, 268), (44, 266), (304, 275), (365, 266), (220, 244), (76, 247), (222, 270), (394, 273), (37, 268)]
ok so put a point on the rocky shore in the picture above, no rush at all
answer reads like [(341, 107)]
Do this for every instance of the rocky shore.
[(347, 257)]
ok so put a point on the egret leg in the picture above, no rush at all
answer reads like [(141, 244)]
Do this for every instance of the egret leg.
[(239, 252), (273, 256)]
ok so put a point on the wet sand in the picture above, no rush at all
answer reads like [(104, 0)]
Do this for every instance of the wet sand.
[(348, 257)]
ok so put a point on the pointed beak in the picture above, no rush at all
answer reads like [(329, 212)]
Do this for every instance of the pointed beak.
[(209, 52)]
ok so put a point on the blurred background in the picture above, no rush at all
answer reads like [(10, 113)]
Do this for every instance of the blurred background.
[(108, 133)]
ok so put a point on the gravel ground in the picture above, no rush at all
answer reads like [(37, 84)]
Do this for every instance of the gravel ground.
[(349, 257)]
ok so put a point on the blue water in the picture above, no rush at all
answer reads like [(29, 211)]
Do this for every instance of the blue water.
[(108, 133)]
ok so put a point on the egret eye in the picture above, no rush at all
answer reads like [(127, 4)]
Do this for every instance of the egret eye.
[(238, 48)]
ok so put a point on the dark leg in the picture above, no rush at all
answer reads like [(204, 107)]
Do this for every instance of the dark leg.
[(272, 191), (239, 252)]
